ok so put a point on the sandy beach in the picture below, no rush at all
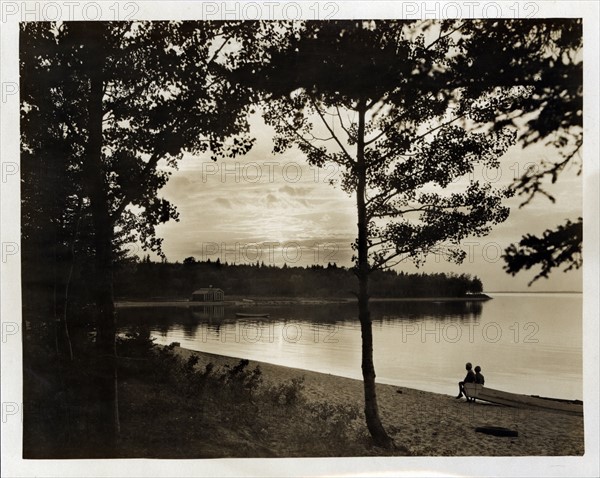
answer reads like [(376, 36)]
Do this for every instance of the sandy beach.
[(434, 424)]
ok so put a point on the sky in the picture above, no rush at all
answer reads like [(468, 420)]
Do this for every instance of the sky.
[(277, 209)]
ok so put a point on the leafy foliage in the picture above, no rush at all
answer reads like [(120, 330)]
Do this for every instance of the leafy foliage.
[(419, 136), (549, 62), (166, 90), (553, 249)]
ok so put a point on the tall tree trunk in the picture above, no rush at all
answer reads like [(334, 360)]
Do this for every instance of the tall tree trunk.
[(374, 425), (106, 410), (69, 278)]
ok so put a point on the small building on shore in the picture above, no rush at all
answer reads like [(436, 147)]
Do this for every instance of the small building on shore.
[(208, 294)]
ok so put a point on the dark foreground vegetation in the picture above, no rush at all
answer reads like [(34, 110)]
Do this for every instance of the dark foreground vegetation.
[(145, 279), (171, 408)]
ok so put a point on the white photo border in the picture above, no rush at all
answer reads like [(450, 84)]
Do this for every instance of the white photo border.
[(13, 12)]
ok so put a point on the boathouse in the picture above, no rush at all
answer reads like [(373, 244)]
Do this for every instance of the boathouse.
[(208, 294)]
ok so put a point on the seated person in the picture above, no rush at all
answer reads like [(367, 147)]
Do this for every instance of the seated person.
[(478, 376), (470, 378)]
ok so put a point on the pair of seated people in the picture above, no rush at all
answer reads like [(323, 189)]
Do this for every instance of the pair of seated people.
[(471, 377)]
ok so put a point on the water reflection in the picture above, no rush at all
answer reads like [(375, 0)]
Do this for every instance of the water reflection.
[(524, 344), (209, 312), (297, 323), (454, 310)]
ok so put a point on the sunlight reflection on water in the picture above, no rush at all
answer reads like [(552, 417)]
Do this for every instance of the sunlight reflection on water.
[(524, 343)]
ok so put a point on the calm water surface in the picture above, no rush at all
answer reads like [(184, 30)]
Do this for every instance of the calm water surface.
[(524, 343)]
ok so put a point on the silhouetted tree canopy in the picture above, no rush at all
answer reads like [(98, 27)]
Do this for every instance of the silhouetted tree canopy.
[(550, 62), (554, 248), (104, 106), (395, 106), (145, 280)]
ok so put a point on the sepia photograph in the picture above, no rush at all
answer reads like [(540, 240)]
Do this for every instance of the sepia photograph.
[(316, 237)]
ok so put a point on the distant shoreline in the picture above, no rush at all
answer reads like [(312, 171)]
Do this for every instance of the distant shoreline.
[(239, 301), (534, 292)]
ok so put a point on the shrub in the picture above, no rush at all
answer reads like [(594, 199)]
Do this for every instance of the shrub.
[(240, 379), (287, 393), (340, 419), (135, 343)]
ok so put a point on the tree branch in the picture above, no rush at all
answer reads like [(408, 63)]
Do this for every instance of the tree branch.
[(441, 37), (127, 198), (382, 194), (302, 138), (531, 184), (342, 122), (393, 123), (339, 143), (442, 125), (406, 211), (384, 262)]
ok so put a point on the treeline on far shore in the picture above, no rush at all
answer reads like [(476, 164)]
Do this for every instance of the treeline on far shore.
[(147, 280)]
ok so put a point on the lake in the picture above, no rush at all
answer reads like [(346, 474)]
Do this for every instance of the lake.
[(524, 343)]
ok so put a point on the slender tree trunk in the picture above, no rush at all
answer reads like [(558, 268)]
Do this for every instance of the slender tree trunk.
[(374, 425), (69, 277), (106, 409)]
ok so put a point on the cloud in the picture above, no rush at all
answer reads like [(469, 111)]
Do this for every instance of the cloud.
[(295, 191), (223, 202), (271, 199)]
